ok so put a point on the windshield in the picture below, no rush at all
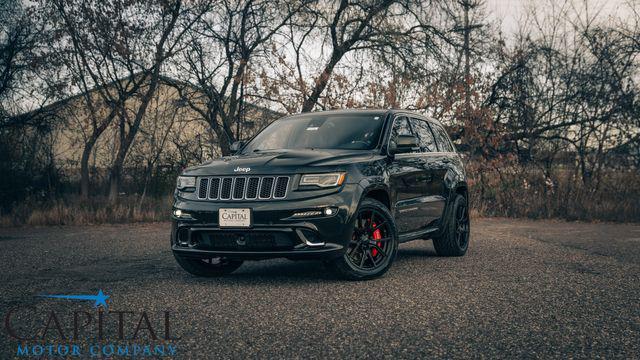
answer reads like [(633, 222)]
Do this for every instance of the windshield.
[(320, 131)]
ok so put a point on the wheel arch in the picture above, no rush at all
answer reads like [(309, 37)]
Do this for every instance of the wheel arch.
[(462, 189), (379, 193)]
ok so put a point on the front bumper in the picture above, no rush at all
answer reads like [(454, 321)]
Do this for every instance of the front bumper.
[(273, 233)]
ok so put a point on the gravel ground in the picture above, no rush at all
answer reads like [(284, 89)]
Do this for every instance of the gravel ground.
[(534, 289)]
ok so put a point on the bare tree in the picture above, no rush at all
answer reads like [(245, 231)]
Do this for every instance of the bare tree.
[(121, 56), (152, 151), (344, 41), (571, 84), (217, 59), (21, 41)]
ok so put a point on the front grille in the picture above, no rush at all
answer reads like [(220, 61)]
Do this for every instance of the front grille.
[(243, 241), (243, 188), (237, 240)]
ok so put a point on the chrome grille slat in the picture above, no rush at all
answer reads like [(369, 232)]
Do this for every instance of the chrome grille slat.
[(203, 188), (225, 189), (239, 185), (214, 188), (233, 188), (253, 185), (266, 187), (280, 188)]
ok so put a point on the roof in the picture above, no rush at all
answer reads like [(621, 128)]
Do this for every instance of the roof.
[(50, 109), (371, 111)]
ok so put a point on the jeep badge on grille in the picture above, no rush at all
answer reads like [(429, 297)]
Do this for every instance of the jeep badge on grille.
[(242, 169)]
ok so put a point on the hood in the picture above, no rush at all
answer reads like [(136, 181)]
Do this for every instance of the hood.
[(280, 162)]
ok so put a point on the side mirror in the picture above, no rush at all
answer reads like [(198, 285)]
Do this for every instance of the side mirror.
[(403, 144), (236, 146)]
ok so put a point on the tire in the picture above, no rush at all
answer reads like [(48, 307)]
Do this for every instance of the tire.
[(208, 267), (373, 244), (454, 239)]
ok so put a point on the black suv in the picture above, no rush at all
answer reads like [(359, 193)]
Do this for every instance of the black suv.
[(345, 187)]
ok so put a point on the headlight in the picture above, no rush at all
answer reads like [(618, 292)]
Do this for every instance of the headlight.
[(186, 182), (322, 180)]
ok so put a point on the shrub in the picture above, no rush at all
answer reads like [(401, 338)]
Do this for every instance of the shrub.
[(72, 210), (526, 191)]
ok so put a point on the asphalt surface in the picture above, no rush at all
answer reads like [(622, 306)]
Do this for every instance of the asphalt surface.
[(525, 289)]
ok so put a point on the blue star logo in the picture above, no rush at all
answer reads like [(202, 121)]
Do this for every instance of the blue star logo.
[(99, 300)]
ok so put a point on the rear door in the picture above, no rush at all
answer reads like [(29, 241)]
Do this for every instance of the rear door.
[(406, 175), (432, 200), (441, 161)]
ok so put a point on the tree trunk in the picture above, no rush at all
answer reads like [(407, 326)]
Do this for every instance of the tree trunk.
[(84, 167), (88, 147), (223, 132), (127, 139), (224, 143), (84, 171), (115, 175), (114, 182), (467, 66), (321, 82)]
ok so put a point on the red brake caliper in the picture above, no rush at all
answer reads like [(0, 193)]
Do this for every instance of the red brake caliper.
[(377, 235)]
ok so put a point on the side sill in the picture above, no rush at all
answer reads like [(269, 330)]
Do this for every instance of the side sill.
[(415, 235)]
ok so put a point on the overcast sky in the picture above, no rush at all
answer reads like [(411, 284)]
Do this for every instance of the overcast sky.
[(509, 11)]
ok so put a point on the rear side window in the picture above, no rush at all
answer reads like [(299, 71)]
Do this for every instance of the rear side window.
[(427, 141), (444, 144)]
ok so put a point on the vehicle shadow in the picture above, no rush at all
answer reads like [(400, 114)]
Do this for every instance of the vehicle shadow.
[(415, 252), (280, 270), (287, 271)]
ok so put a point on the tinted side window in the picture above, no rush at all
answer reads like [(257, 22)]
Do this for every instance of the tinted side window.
[(400, 127), (427, 141), (444, 144)]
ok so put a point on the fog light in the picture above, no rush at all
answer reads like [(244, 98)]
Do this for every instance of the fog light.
[(181, 214), (330, 211)]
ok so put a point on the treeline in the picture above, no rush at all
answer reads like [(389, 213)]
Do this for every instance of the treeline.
[(548, 115)]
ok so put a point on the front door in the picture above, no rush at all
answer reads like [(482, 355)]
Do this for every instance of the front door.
[(407, 178)]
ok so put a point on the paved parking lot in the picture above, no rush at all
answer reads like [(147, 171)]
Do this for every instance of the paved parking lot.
[(525, 289)]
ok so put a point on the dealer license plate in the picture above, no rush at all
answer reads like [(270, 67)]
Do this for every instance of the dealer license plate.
[(238, 218)]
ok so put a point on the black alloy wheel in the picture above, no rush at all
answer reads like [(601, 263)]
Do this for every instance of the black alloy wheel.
[(462, 225), (370, 241), (373, 244), (454, 238)]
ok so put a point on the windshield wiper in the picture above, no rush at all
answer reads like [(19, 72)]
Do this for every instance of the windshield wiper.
[(258, 150)]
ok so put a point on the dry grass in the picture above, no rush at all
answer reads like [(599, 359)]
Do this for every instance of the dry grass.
[(521, 192), (74, 211), (500, 192)]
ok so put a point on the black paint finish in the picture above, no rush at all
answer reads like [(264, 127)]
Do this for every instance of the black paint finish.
[(415, 183)]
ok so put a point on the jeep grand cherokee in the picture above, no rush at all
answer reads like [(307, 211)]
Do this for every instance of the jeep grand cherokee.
[(345, 187)]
